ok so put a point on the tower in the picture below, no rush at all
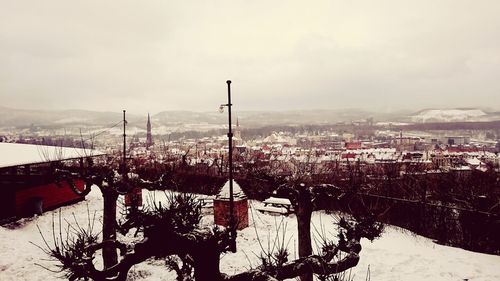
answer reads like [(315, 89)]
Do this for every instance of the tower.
[(237, 133), (149, 137)]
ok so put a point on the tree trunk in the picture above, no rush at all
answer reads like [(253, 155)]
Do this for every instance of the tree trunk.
[(109, 254), (304, 213), (206, 264)]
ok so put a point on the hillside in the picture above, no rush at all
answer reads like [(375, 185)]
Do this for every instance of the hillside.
[(10, 117), (24, 118), (454, 115), (397, 255)]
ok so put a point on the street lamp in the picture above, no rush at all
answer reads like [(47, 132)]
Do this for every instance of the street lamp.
[(232, 225)]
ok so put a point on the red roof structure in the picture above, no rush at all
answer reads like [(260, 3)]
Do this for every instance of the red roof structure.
[(27, 182)]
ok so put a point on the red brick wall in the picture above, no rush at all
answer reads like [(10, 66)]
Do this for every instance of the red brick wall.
[(222, 216), (52, 195)]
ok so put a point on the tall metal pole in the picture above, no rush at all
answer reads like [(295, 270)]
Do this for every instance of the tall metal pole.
[(231, 199), (124, 143)]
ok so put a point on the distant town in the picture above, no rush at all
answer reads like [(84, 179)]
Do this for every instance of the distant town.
[(453, 145)]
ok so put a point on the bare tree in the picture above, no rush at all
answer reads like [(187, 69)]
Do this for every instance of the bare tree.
[(111, 184), (173, 233), (306, 195)]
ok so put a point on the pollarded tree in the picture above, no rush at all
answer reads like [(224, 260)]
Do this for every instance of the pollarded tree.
[(172, 232), (306, 198), (111, 184), (306, 185)]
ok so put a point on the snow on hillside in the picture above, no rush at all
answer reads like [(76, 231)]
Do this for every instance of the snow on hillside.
[(72, 120), (397, 255), (448, 115)]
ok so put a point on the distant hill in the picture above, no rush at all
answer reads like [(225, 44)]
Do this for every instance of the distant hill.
[(265, 118), (168, 121), (10, 117), (181, 121), (454, 115), (449, 126)]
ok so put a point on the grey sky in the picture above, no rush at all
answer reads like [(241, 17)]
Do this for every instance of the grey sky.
[(161, 55)]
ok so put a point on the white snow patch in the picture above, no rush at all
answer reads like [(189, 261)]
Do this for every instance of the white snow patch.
[(15, 154), (237, 192), (397, 255), (71, 120), (448, 115)]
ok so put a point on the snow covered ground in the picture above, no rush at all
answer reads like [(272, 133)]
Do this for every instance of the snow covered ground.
[(449, 115), (397, 255)]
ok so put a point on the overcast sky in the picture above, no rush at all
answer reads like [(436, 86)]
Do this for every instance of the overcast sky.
[(177, 55)]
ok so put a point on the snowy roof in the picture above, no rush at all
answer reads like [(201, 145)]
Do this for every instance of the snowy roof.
[(237, 192), (15, 154), (473, 161), (461, 168), (278, 138)]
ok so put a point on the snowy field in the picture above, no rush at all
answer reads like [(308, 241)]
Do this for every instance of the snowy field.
[(397, 255)]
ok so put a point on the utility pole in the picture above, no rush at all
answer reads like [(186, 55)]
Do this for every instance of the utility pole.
[(124, 144), (231, 199)]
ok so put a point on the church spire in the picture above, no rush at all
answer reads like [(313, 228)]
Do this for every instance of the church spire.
[(149, 137), (237, 132)]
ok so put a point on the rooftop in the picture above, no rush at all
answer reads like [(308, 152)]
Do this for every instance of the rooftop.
[(16, 154)]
